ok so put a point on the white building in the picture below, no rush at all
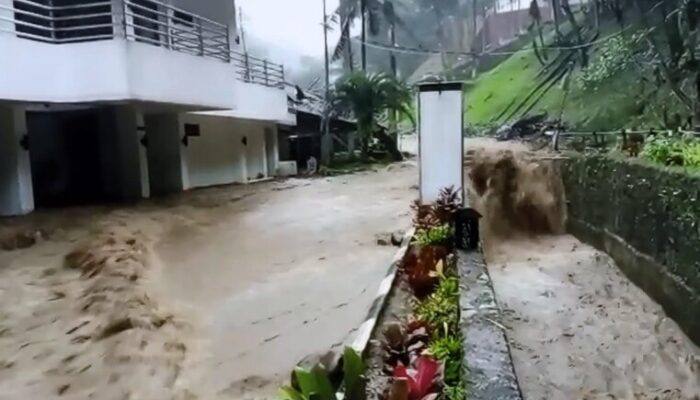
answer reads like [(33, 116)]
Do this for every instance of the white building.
[(121, 99)]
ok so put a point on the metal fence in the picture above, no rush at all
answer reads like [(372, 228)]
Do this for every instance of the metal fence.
[(38, 20), (147, 21), (257, 70), (161, 24)]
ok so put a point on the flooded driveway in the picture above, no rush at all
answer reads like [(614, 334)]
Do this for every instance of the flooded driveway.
[(290, 274), (262, 276)]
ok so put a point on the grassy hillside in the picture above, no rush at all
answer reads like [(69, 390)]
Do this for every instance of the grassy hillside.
[(621, 100)]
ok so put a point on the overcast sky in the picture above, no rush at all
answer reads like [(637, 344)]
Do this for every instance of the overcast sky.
[(294, 25)]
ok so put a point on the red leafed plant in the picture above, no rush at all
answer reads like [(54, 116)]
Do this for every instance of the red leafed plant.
[(447, 204), (421, 381), (419, 267)]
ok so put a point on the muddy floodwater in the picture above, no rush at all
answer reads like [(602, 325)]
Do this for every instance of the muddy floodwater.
[(579, 329), (242, 282)]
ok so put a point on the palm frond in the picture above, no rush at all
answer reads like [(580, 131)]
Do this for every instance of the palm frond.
[(347, 12), (343, 42)]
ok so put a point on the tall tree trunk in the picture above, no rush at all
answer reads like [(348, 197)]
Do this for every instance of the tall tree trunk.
[(596, 14), (363, 11), (472, 45), (326, 140), (390, 144), (394, 71), (577, 30), (556, 15), (696, 110)]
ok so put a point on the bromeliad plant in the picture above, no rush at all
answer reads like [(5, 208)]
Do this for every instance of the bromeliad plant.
[(447, 204), (443, 212), (419, 383), (315, 384)]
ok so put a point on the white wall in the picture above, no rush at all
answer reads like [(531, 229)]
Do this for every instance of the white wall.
[(272, 150), (218, 156), (120, 70), (260, 102), (112, 70), (256, 155)]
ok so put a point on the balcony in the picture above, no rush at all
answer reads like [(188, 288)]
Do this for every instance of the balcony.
[(148, 22)]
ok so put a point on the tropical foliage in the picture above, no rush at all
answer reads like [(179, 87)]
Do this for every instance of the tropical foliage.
[(675, 151), (315, 384), (370, 98), (438, 235), (427, 356)]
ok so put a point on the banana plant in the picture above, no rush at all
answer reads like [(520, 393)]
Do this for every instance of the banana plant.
[(314, 383)]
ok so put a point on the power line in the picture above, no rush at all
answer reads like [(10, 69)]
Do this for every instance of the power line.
[(414, 50)]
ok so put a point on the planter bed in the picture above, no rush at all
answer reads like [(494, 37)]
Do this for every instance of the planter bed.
[(432, 333)]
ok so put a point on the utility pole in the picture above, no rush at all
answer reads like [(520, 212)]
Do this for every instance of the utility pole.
[(326, 140), (240, 17), (393, 125)]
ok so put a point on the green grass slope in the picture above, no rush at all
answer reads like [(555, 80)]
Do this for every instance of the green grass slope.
[(623, 100)]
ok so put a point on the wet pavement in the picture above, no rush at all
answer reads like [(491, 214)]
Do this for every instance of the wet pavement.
[(289, 275), (262, 276)]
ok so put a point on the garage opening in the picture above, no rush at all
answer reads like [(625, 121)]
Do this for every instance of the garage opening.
[(65, 157)]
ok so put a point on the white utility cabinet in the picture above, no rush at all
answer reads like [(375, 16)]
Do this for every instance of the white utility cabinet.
[(440, 138)]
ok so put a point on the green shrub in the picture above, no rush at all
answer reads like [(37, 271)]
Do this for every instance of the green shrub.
[(670, 150), (448, 349), (615, 55), (441, 309), (457, 392), (438, 235)]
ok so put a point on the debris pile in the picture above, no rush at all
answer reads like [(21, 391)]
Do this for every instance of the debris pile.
[(528, 128)]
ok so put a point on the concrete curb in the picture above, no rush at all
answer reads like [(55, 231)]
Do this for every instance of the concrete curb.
[(364, 332), (487, 356)]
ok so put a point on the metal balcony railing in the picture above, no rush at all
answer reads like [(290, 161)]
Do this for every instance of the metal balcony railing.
[(64, 22), (161, 24), (256, 70), (147, 21)]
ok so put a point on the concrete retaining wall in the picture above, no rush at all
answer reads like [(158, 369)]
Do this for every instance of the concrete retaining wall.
[(648, 219)]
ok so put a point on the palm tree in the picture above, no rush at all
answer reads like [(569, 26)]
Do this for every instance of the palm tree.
[(370, 98), (371, 13)]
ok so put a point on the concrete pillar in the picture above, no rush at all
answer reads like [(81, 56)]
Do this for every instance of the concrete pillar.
[(6, 14), (119, 19), (16, 192), (123, 154), (167, 161), (271, 150), (352, 139)]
